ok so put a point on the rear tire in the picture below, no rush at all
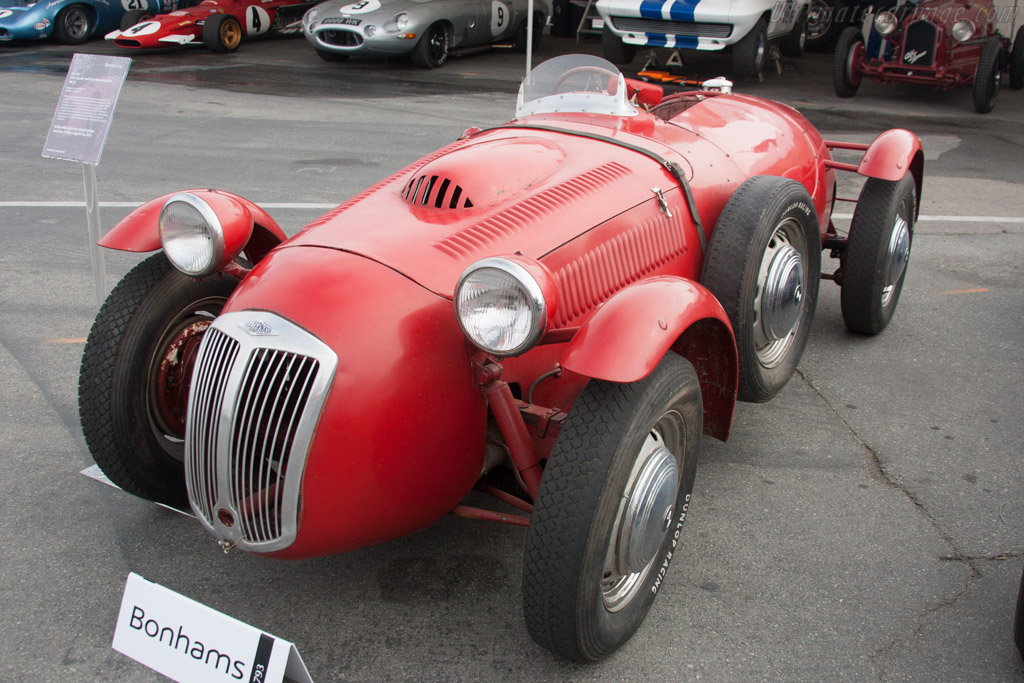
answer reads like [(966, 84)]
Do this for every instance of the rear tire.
[(74, 25), (433, 48), (610, 510), (751, 52), (877, 253), (846, 62), (222, 33), (763, 264), (521, 36), (616, 51), (134, 16), (986, 78), (135, 375), (824, 23)]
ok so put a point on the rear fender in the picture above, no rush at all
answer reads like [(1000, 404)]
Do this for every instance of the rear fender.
[(626, 338), (891, 155), (248, 224)]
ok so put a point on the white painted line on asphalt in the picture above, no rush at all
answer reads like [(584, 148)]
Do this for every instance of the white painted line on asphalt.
[(315, 206), (955, 219)]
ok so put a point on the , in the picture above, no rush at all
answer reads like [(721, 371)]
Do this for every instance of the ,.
[(555, 311)]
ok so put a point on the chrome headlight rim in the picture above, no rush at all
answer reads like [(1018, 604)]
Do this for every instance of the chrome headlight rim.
[(213, 227), (962, 30), (886, 23), (398, 23), (538, 304)]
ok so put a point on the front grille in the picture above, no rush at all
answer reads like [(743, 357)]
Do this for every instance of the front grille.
[(437, 192), (919, 45), (340, 37), (257, 392), (689, 29)]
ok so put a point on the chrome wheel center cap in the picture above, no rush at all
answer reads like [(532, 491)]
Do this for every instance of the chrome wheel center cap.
[(783, 294), (649, 512)]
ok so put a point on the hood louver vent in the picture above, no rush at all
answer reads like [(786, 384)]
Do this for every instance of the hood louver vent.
[(436, 192)]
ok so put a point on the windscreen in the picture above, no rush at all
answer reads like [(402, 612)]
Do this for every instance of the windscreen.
[(574, 83)]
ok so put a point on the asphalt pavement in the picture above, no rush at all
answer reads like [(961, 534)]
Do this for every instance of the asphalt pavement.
[(866, 525)]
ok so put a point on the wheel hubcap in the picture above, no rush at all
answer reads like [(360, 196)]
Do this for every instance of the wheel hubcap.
[(896, 259), (779, 301), (644, 517)]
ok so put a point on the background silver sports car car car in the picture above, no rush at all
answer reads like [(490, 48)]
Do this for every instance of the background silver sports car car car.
[(428, 30)]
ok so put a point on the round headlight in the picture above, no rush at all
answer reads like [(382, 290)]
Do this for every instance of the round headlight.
[(311, 15), (501, 307), (370, 30), (402, 21), (192, 235), (885, 23), (963, 30)]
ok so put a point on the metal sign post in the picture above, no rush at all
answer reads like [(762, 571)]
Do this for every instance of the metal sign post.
[(79, 130)]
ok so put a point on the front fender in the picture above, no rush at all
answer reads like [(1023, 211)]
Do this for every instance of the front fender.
[(626, 338), (249, 225), (891, 155)]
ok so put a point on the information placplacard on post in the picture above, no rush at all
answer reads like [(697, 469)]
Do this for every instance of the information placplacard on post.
[(79, 130), (85, 108), (190, 642)]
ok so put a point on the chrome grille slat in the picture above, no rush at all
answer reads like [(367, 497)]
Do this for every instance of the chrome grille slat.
[(255, 400), (204, 415)]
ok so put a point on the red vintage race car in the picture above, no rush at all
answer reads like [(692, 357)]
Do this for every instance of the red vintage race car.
[(553, 311), (220, 25), (945, 43)]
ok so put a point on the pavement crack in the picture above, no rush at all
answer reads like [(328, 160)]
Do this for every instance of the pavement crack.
[(878, 472)]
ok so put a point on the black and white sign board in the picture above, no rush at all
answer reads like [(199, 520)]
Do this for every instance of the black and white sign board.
[(79, 131), (190, 642), (85, 109)]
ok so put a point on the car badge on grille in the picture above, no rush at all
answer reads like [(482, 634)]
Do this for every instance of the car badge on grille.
[(258, 328), (911, 56)]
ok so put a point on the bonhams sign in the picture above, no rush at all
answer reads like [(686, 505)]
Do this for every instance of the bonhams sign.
[(188, 642)]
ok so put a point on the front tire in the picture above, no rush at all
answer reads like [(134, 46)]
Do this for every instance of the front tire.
[(794, 44), (135, 375), (614, 49), (222, 33), (1017, 61), (750, 53), (434, 47), (986, 78), (763, 264), (73, 25), (846, 62), (610, 510), (877, 253)]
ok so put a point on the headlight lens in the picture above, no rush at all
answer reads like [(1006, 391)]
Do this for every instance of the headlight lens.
[(963, 30), (311, 16), (192, 235), (399, 23), (501, 307), (885, 23), (370, 30)]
